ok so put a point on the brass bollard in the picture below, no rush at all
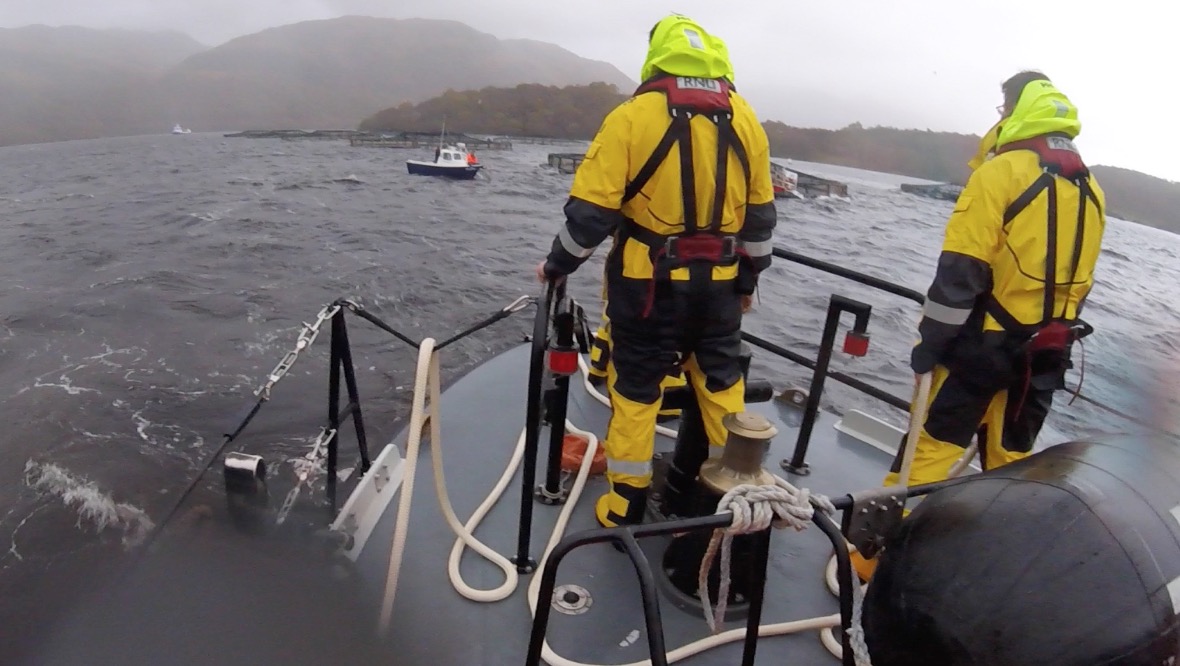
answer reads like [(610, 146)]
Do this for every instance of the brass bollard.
[(745, 450)]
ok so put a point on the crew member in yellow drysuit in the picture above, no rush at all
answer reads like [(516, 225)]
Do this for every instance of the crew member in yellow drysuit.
[(1016, 266), (679, 174)]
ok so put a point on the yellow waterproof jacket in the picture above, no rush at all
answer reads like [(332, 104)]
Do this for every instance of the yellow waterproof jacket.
[(1015, 229), (630, 135)]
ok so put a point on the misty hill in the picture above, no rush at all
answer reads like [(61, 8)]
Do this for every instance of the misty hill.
[(1138, 197), (919, 153), (72, 83), (575, 112), (120, 49), (333, 73), (572, 112)]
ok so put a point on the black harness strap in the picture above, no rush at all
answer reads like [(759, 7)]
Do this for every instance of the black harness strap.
[(1050, 253), (688, 179), (676, 131), (721, 183), (1005, 318), (1027, 197), (1048, 182), (738, 149), (1078, 238)]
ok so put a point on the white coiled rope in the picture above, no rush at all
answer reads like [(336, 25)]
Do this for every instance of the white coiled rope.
[(754, 508), (425, 413)]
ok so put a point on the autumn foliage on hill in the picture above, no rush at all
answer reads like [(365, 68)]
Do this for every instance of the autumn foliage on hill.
[(570, 112)]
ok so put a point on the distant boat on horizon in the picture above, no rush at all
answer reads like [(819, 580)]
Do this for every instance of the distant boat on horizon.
[(177, 129)]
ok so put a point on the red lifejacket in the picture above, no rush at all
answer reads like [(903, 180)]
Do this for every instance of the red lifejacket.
[(1057, 153), (690, 94)]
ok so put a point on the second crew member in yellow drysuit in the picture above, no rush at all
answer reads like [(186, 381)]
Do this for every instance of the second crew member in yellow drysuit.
[(1019, 254)]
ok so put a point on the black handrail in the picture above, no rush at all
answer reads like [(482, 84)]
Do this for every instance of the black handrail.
[(820, 372), (847, 380), (836, 306), (625, 536), (862, 278)]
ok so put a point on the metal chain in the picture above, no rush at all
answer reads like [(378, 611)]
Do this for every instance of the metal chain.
[(307, 335), (304, 467)]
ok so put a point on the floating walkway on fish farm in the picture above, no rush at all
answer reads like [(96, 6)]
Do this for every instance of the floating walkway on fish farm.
[(542, 140), (944, 191), (292, 135), (566, 162), (809, 186), (377, 139), (812, 186), (423, 140)]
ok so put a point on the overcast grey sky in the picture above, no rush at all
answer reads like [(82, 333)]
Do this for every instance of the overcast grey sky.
[(927, 64)]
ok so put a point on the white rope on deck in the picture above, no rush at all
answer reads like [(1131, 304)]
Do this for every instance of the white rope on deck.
[(755, 508)]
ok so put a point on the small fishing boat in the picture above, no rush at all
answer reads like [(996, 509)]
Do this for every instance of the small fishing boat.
[(450, 161)]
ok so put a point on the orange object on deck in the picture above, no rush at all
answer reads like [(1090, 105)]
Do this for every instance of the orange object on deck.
[(573, 451)]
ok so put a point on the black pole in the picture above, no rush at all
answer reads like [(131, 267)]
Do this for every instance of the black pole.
[(759, 557), (354, 397), (798, 464), (558, 404), (532, 426), (337, 342), (836, 305)]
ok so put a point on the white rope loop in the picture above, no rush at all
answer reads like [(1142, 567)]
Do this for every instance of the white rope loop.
[(754, 508), (784, 505)]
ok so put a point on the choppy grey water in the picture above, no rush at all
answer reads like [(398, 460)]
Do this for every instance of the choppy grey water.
[(150, 283)]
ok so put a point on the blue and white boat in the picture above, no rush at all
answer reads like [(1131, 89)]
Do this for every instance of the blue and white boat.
[(450, 161)]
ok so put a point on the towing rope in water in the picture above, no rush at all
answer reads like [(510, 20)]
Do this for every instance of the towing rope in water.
[(425, 411)]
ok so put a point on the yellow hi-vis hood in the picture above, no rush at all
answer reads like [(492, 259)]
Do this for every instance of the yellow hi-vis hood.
[(723, 51), (680, 47), (987, 146), (1041, 109)]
